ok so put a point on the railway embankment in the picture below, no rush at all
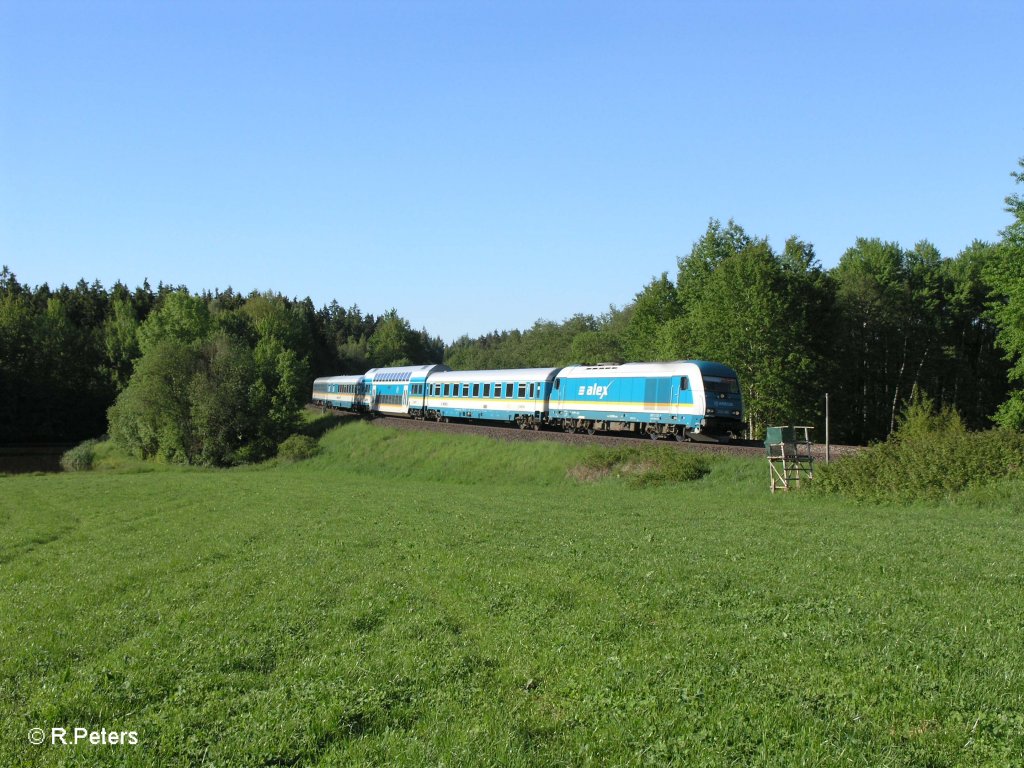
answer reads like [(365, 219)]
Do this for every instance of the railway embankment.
[(749, 448)]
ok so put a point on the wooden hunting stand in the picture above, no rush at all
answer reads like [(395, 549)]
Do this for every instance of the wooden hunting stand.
[(789, 456)]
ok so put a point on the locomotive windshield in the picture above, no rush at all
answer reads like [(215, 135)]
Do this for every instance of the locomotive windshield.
[(724, 386)]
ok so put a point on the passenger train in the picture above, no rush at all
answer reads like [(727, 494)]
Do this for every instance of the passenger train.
[(684, 400)]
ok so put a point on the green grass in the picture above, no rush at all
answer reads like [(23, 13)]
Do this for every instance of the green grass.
[(409, 598)]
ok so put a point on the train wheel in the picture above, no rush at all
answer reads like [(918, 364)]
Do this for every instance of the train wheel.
[(653, 435), (590, 430)]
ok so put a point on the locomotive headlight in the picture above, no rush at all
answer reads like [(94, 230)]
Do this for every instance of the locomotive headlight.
[(709, 412), (735, 413)]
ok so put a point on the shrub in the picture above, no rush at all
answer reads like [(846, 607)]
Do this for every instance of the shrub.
[(215, 402), (931, 455), (298, 448), (80, 458), (641, 466)]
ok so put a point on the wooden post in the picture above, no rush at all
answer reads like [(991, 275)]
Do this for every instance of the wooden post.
[(827, 444)]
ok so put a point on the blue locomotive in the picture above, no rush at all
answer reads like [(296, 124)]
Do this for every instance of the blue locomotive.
[(684, 400)]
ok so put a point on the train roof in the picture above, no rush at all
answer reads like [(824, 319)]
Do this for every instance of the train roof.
[(714, 369), (404, 372), (624, 370), (347, 379), (506, 374)]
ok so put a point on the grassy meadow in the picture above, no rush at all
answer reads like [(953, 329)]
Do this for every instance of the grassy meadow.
[(409, 598)]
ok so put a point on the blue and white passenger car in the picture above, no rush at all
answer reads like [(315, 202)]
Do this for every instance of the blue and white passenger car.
[(394, 391), (343, 392), (518, 395), (685, 399)]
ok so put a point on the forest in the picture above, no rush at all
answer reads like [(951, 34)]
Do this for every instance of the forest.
[(229, 372)]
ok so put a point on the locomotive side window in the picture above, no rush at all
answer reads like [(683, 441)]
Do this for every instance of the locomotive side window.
[(684, 383), (531, 391), (508, 389), (487, 390), (522, 390), (465, 390), (476, 390), (497, 390)]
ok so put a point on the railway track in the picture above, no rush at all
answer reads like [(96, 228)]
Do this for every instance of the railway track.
[(750, 448)]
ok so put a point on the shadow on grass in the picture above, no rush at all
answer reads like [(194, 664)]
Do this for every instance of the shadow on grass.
[(321, 423)]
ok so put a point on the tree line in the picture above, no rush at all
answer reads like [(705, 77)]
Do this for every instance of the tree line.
[(885, 324), (210, 377), (219, 377)]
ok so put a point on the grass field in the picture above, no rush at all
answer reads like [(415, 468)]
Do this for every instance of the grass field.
[(417, 599)]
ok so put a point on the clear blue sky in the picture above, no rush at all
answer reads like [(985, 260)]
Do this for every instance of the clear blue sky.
[(480, 165)]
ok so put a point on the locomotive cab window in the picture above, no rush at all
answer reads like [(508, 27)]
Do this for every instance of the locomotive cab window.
[(684, 383)]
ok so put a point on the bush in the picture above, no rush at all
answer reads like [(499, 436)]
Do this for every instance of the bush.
[(931, 455), (298, 448), (216, 402), (80, 458), (642, 466)]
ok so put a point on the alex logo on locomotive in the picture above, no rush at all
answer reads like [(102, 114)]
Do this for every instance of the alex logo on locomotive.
[(595, 390)]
